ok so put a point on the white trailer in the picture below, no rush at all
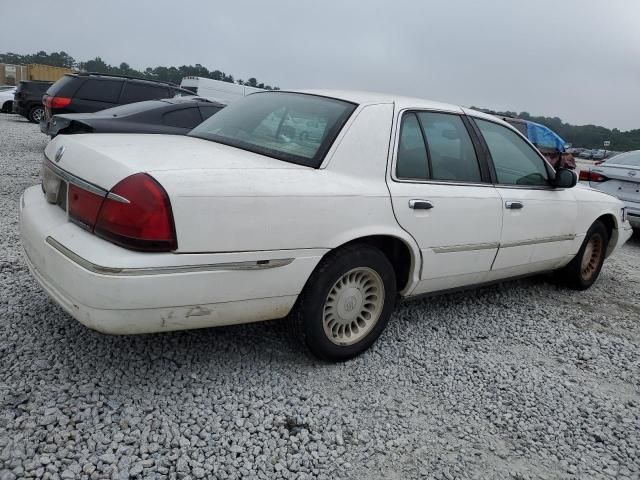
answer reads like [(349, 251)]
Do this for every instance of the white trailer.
[(217, 90)]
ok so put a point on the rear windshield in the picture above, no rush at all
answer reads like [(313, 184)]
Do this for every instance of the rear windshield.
[(292, 127), (629, 158), (131, 108), (66, 83)]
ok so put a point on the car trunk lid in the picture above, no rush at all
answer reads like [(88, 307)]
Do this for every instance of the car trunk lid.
[(106, 159)]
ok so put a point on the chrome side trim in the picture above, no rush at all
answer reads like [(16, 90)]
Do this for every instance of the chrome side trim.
[(129, 272), (465, 248), (559, 238), (70, 178), (489, 246)]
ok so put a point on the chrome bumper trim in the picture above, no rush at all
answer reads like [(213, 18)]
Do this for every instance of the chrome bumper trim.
[(101, 270), (70, 178)]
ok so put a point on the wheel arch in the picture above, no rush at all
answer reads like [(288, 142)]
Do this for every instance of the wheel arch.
[(399, 248), (610, 222)]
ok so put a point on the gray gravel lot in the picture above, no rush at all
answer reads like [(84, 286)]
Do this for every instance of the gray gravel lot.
[(524, 380)]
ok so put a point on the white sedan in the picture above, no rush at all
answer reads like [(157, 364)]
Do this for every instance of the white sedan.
[(248, 218), (6, 98)]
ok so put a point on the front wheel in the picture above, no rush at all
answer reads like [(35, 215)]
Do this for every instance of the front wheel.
[(584, 269), (346, 303)]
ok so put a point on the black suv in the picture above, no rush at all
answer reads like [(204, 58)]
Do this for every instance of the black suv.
[(27, 100), (91, 92)]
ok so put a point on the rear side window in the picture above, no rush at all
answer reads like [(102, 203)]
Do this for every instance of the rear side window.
[(100, 90), (65, 87), (137, 92), (207, 110), (412, 152), (436, 146), (183, 118), (515, 161), (451, 153)]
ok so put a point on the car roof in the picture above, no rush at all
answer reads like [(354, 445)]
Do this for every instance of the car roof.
[(400, 101)]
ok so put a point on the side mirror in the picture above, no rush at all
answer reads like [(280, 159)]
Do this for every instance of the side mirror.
[(565, 178)]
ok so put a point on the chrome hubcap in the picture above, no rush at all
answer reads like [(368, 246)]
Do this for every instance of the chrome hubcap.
[(591, 257), (353, 306), (38, 114)]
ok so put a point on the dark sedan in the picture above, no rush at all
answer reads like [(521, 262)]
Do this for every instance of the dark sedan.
[(172, 116)]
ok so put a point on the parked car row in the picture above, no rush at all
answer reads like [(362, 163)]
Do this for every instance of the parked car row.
[(84, 93), (321, 206)]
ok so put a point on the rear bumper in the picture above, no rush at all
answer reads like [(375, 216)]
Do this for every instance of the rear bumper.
[(117, 291)]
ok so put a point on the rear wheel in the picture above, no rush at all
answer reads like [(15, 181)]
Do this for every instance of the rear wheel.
[(346, 303), (36, 114), (7, 106), (584, 269)]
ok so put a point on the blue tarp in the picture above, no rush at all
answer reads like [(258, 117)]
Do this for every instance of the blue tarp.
[(543, 137)]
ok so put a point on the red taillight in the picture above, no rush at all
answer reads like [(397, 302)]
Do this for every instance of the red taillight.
[(137, 214), (56, 102), (589, 176), (84, 206)]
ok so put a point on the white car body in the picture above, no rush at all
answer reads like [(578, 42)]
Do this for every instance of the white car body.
[(6, 98), (251, 229)]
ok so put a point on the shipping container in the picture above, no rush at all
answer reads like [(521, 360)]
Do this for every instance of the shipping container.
[(13, 74)]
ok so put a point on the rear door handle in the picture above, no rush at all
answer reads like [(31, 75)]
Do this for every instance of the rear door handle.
[(420, 204), (513, 205)]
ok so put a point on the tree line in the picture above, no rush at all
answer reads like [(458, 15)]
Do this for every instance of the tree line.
[(165, 74), (586, 136)]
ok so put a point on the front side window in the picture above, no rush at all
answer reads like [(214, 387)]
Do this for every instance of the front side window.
[(515, 161), (292, 127)]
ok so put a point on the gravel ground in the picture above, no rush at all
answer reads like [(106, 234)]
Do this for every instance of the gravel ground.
[(524, 380)]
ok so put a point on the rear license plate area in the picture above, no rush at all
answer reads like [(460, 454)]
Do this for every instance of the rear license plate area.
[(55, 189)]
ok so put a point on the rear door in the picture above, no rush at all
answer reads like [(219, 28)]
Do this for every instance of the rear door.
[(538, 226), (442, 195)]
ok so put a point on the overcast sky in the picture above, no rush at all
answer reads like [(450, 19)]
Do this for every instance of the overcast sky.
[(576, 59)]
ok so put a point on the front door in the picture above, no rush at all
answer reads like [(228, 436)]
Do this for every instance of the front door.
[(443, 197), (538, 220)]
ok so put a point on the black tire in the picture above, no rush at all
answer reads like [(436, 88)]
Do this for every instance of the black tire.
[(574, 275), (309, 313), (36, 113), (7, 106)]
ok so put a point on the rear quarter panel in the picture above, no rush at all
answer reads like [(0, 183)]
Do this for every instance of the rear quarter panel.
[(290, 208)]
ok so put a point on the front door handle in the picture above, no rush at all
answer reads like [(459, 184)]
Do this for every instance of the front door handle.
[(420, 204), (513, 205)]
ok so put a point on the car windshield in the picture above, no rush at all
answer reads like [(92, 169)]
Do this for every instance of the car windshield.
[(293, 127), (628, 158)]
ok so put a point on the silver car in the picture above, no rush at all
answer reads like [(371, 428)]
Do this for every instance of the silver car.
[(619, 176)]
